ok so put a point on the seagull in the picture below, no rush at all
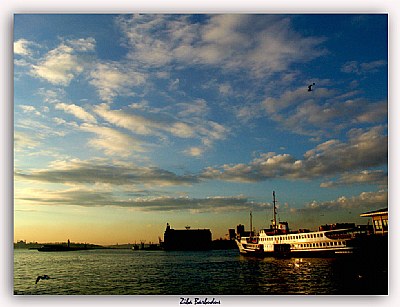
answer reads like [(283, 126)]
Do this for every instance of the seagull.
[(44, 277), (309, 87)]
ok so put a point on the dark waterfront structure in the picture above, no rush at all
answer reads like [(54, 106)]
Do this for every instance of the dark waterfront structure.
[(380, 221), (376, 247), (187, 239)]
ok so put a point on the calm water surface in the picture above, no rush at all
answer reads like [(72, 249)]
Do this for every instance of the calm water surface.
[(126, 272)]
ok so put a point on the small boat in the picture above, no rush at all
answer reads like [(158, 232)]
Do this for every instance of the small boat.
[(56, 248), (329, 241)]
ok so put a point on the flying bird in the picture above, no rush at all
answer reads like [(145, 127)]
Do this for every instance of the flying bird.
[(44, 277), (309, 87)]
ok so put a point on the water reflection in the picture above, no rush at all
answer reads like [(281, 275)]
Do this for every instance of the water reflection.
[(190, 273)]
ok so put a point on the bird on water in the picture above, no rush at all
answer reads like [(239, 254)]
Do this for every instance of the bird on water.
[(44, 277), (310, 87)]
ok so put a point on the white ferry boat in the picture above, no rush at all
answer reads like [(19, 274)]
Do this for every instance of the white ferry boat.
[(329, 241)]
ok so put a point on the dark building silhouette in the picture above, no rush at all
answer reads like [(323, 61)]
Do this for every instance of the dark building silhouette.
[(240, 230), (232, 234), (187, 239)]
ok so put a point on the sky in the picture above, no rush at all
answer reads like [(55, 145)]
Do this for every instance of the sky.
[(123, 123)]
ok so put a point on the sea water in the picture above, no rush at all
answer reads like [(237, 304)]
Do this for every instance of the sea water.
[(222, 272)]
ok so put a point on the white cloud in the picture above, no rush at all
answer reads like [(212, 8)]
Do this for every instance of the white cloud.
[(158, 122), (23, 140), (195, 109), (194, 151), (261, 44), (21, 47), (83, 44), (135, 123), (52, 96), (113, 79), (113, 142), (77, 111), (363, 68), (29, 109), (225, 89), (59, 66)]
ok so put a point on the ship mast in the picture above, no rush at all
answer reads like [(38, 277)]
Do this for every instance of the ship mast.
[(274, 202), (251, 223)]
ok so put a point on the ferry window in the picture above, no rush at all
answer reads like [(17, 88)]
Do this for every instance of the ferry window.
[(385, 224), (378, 224)]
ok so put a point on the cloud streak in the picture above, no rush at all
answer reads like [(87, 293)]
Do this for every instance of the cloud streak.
[(101, 198), (188, 123), (364, 149), (77, 111), (364, 200), (322, 111), (98, 171), (375, 177)]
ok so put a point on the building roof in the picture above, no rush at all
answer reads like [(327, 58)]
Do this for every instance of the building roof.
[(376, 212)]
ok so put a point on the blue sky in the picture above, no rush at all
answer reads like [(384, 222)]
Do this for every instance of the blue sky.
[(123, 123)]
